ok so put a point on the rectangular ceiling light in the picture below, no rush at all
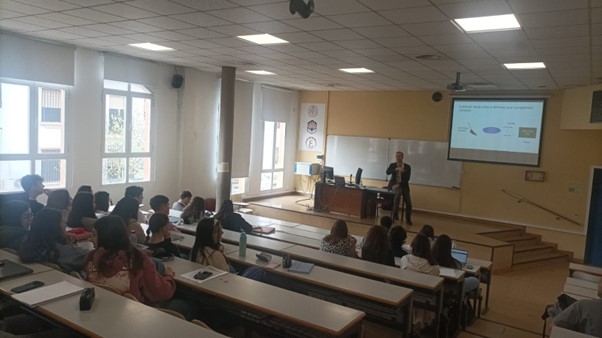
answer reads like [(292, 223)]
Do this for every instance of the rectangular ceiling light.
[(487, 23), (356, 70), (260, 72), (525, 65), (151, 46), (262, 39)]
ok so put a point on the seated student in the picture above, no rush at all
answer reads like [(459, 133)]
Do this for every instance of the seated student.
[(386, 222), (376, 247), (185, 198), (127, 209), (102, 200), (429, 232), (160, 205), (15, 221), (158, 225), (115, 262), (194, 211), (397, 238), (60, 200), (231, 220), (136, 193), (339, 241), (33, 185), (207, 248), (442, 254), (421, 259), (48, 243), (84, 188), (583, 316), (82, 213)]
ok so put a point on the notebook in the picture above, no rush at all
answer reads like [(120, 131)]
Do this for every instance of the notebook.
[(460, 255), (47, 293), (264, 229), (301, 267), (10, 269)]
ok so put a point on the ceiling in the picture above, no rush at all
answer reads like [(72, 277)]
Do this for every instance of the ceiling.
[(382, 35)]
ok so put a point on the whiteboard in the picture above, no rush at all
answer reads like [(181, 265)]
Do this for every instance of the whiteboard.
[(428, 159), (347, 153)]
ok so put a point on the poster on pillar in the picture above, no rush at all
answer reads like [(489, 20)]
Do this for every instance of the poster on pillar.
[(311, 124)]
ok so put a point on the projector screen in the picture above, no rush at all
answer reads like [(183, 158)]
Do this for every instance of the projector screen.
[(496, 130)]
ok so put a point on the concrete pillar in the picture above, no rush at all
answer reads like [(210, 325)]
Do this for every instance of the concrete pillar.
[(226, 134)]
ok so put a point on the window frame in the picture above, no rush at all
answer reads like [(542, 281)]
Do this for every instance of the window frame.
[(273, 168), (34, 153), (128, 153)]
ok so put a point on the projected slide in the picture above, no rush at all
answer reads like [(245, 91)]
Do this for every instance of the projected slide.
[(506, 131)]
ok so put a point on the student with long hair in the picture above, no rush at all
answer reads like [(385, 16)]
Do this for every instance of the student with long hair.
[(82, 213), (194, 211), (47, 243), (428, 231), (102, 201), (60, 200), (160, 240), (421, 259), (127, 209), (397, 237), (442, 254), (207, 248), (376, 247), (15, 221), (117, 263), (339, 241), (231, 220)]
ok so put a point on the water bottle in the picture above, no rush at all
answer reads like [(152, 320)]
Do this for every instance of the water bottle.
[(242, 244), (133, 238)]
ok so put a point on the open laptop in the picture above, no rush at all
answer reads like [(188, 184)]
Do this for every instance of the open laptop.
[(460, 255), (10, 269)]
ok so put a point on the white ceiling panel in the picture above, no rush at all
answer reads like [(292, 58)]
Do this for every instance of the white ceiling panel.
[(335, 7), (126, 11), (415, 15), (94, 15), (534, 6), (557, 32), (431, 28), (49, 5), (552, 19), (160, 7), (271, 27), (205, 5), (239, 15), (478, 8), (135, 26), (166, 22), (369, 19), (200, 19), (387, 31)]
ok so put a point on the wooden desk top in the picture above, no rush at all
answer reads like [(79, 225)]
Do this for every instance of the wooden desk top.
[(255, 220), (322, 231), (182, 239), (379, 271), (111, 315), (303, 233), (310, 312), (331, 279), (581, 291), (187, 228), (37, 268), (582, 283), (559, 332), (255, 241), (283, 223), (483, 264), (594, 270), (295, 239)]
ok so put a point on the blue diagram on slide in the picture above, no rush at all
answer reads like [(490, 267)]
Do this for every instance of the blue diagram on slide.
[(497, 125)]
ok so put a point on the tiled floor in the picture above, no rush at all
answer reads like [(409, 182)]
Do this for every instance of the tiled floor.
[(517, 298)]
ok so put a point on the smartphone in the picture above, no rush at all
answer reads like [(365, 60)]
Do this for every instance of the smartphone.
[(202, 275), (27, 287)]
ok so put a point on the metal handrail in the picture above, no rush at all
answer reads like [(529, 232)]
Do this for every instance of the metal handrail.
[(522, 199)]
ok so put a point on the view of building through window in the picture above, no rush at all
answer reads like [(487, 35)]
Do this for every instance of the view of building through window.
[(272, 170)]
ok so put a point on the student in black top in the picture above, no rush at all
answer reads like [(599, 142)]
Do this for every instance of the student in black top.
[(102, 200), (33, 185), (15, 221), (376, 247), (158, 225), (397, 237), (231, 220), (82, 213)]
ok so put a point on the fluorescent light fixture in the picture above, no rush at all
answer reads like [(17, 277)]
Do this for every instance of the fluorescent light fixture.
[(260, 72), (150, 46), (488, 23), (262, 39), (525, 65), (356, 70)]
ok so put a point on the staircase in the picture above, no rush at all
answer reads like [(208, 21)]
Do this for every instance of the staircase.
[(529, 250)]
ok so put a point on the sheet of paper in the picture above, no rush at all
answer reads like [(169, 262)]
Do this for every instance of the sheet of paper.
[(47, 293)]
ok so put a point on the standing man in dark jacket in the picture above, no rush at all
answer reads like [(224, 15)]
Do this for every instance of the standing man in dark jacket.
[(399, 183)]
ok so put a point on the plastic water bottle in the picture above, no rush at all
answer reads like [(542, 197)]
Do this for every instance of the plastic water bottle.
[(133, 238), (242, 244)]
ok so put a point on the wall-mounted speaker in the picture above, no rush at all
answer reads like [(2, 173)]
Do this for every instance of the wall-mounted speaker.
[(177, 81), (437, 96)]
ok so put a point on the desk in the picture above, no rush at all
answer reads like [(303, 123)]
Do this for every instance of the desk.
[(345, 200), (581, 283), (111, 315), (270, 306), (581, 291), (37, 268), (256, 242), (559, 332), (379, 300), (590, 269)]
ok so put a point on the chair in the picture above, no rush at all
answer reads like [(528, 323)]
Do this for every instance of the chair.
[(173, 313), (210, 204), (201, 324)]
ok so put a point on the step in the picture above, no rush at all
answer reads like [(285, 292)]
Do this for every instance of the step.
[(535, 250), (524, 239), (503, 233), (541, 258)]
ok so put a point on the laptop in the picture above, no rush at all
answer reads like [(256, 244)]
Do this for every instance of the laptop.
[(10, 269), (460, 255)]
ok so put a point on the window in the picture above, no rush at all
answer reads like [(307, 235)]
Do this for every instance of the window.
[(32, 134), (127, 155), (272, 169)]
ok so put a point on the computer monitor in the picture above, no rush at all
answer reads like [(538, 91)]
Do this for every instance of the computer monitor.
[(358, 176), (327, 174)]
